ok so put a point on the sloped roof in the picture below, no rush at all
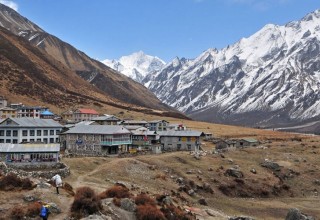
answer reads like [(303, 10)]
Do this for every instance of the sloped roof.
[(47, 112), (106, 118), (29, 147), (8, 109), (251, 140), (88, 111), (185, 133), (150, 133), (30, 122), (98, 129)]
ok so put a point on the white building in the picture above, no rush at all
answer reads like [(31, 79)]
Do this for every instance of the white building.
[(29, 140), (24, 130)]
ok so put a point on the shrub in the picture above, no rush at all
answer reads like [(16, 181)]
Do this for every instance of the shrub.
[(17, 213), (117, 191), (33, 209), (12, 181), (144, 199), (173, 213), (149, 212), (86, 202)]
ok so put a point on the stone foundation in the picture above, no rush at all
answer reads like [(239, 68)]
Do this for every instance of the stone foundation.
[(46, 171)]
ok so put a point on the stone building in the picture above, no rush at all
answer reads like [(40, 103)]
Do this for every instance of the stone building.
[(180, 140), (95, 140)]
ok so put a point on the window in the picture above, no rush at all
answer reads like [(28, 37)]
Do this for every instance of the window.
[(45, 132), (31, 140), (15, 133), (14, 141), (8, 141), (188, 138), (179, 138), (38, 132), (8, 133), (189, 146), (179, 146), (1, 140), (38, 139), (1, 132), (57, 140), (57, 132), (51, 132), (51, 140), (25, 133), (45, 140), (24, 140), (32, 132)]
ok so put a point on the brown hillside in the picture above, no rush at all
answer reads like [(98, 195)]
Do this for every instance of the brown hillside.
[(110, 82), (31, 76)]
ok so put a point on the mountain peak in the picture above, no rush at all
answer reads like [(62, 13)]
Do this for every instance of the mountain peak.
[(136, 65)]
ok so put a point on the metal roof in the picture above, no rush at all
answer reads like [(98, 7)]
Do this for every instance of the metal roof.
[(251, 140), (106, 118), (186, 133), (129, 122), (98, 129), (157, 121), (150, 133), (31, 122), (29, 148)]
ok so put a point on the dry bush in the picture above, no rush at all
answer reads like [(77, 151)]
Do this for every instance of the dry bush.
[(86, 202), (173, 213), (149, 212), (144, 199), (17, 213), (11, 181), (117, 191), (33, 209)]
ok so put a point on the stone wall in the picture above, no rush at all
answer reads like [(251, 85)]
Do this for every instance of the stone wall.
[(46, 171)]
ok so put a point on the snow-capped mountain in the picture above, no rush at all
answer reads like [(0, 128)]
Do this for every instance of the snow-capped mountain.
[(271, 77), (136, 65)]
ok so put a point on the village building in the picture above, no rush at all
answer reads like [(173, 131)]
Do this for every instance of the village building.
[(225, 144), (3, 102), (180, 140), (135, 123), (96, 140), (158, 125), (247, 142), (142, 138), (176, 127), (83, 114), (7, 112), (30, 111), (16, 105), (207, 136), (46, 115), (25, 140), (107, 120), (67, 116)]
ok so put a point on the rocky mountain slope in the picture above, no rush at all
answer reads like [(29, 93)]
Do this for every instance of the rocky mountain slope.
[(110, 82), (269, 78), (136, 65)]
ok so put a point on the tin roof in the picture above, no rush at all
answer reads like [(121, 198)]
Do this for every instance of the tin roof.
[(106, 118), (186, 133), (30, 122), (98, 129), (29, 148), (251, 140)]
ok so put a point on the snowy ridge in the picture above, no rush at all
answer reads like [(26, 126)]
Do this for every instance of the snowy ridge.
[(276, 71), (136, 65)]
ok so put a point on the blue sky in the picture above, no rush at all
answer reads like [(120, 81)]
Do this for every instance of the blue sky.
[(164, 28)]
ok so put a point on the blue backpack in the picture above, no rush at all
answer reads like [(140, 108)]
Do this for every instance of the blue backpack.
[(43, 211)]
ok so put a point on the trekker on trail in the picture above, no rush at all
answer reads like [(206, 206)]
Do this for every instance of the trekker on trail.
[(44, 211), (58, 182)]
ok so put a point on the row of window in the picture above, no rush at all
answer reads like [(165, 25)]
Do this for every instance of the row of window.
[(14, 133), (44, 140)]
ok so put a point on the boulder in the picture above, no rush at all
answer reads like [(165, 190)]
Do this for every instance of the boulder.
[(128, 205), (271, 165), (234, 173), (203, 201), (295, 214)]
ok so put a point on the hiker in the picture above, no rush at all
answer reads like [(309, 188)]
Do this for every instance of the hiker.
[(44, 211), (58, 182)]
